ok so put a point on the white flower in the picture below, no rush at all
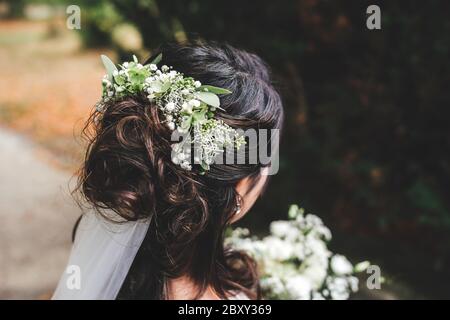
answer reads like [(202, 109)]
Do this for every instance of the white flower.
[(194, 103), (284, 229), (315, 246), (353, 282), (153, 67), (175, 159), (299, 251), (186, 107), (149, 80), (317, 296), (338, 288), (316, 270), (273, 284), (163, 77), (185, 165), (169, 118), (278, 249), (324, 232), (115, 73), (171, 126), (340, 265), (299, 287), (280, 228), (197, 84), (185, 91), (170, 106), (164, 68), (125, 64)]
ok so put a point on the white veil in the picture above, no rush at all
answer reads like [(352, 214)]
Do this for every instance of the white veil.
[(101, 256)]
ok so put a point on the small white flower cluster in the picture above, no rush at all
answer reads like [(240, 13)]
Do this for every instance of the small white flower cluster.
[(209, 140), (295, 262), (187, 105)]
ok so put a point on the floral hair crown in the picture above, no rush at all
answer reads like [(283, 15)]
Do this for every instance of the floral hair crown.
[(187, 105)]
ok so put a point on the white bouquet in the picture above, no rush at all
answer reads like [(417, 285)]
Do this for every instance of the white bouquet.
[(294, 261)]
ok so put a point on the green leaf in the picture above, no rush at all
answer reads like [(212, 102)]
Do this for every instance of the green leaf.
[(186, 123), (165, 86), (119, 80), (362, 266), (199, 117), (137, 77), (156, 86), (213, 89), (209, 98), (293, 211), (204, 166), (157, 59), (109, 66)]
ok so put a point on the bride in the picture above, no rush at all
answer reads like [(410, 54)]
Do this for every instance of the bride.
[(156, 221)]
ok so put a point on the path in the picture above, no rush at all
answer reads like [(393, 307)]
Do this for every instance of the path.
[(36, 218)]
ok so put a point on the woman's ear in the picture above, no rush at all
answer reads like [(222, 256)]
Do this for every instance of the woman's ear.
[(249, 191)]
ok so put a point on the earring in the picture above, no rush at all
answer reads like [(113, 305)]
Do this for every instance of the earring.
[(237, 209)]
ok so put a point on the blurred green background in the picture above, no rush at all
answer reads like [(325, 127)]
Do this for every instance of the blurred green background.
[(366, 145)]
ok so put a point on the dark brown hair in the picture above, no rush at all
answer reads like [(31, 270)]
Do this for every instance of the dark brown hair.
[(128, 169)]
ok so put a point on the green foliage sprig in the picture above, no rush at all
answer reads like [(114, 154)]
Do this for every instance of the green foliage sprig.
[(187, 105)]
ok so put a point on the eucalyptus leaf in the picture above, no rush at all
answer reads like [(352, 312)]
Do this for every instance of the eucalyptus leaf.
[(157, 59), (156, 86), (209, 98), (109, 66), (213, 89), (165, 86)]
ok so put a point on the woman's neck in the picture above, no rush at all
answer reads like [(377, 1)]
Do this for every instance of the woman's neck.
[(184, 288)]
